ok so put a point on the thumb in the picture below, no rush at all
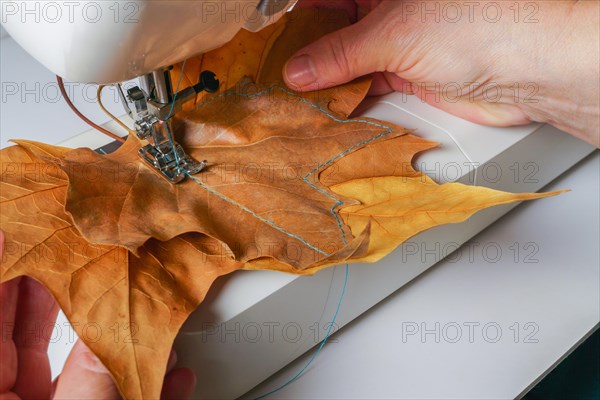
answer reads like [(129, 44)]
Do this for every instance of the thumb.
[(85, 377), (339, 57)]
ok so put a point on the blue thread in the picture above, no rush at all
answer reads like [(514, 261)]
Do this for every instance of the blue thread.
[(320, 346), (176, 90)]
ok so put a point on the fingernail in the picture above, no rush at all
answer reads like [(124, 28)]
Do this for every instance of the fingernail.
[(300, 71)]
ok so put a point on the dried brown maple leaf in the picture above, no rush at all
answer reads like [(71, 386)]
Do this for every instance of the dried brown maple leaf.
[(127, 309), (260, 195)]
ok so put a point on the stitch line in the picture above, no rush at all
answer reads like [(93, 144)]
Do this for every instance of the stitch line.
[(246, 209), (338, 202)]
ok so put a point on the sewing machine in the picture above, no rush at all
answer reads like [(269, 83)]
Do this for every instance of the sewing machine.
[(254, 323), (112, 42)]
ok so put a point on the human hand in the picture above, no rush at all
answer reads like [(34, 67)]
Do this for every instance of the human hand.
[(493, 63), (27, 307)]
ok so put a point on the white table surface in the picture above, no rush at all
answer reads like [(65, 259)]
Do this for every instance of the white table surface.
[(518, 312)]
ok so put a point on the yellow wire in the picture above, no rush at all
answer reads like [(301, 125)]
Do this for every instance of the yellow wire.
[(118, 121)]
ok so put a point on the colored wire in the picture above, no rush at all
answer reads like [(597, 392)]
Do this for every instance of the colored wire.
[(176, 90), (61, 86), (316, 353), (117, 120)]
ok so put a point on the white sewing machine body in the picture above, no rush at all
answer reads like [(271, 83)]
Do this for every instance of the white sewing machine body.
[(113, 41), (142, 38)]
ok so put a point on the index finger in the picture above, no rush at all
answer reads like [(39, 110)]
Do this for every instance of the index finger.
[(8, 307), (28, 316), (34, 323), (8, 352)]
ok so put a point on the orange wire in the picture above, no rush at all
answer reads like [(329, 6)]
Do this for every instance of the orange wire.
[(61, 86)]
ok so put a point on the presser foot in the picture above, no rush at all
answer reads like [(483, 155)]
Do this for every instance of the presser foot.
[(153, 109), (163, 153), (170, 160)]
